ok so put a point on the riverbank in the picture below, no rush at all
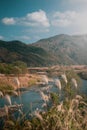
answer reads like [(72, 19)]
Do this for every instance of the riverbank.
[(26, 80), (33, 99), (34, 76)]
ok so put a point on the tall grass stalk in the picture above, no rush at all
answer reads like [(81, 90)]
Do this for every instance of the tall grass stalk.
[(68, 114)]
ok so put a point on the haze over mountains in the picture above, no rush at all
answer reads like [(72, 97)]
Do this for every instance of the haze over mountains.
[(60, 49)]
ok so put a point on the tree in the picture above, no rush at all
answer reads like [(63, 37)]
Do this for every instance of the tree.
[(21, 65)]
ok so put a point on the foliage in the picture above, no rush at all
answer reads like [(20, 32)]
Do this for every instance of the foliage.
[(71, 115), (21, 65), (5, 87), (18, 51), (32, 82), (54, 98), (15, 68), (69, 90), (67, 113), (60, 49)]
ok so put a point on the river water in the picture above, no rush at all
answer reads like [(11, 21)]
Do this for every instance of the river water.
[(31, 98)]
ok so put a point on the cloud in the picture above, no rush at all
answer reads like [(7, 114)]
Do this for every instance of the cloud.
[(38, 18), (63, 19), (77, 1), (1, 37), (71, 20), (61, 22), (74, 2), (8, 21)]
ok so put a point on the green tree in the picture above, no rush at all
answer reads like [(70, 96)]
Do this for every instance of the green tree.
[(21, 65)]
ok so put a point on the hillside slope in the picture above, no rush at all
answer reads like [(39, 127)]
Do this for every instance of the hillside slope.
[(16, 50), (67, 49), (60, 49)]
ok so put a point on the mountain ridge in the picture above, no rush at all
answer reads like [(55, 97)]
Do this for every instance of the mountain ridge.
[(60, 49), (74, 47), (12, 51)]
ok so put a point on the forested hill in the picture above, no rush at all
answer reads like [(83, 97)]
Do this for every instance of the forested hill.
[(61, 49), (17, 51)]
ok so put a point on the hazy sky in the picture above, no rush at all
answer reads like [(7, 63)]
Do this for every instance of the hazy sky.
[(31, 20)]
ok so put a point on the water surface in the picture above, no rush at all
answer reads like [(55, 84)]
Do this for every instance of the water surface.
[(31, 98)]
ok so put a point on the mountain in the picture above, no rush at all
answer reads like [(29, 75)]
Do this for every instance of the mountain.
[(17, 51), (60, 49), (67, 49)]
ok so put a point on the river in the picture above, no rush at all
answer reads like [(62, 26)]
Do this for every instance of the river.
[(31, 98)]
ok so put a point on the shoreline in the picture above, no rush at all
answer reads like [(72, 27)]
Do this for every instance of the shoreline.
[(33, 77), (26, 80)]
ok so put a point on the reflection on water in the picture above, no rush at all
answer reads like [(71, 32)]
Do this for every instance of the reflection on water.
[(83, 89), (31, 98)]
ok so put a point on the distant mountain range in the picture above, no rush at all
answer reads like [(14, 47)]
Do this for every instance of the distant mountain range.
[(60, 49), (67, 49)]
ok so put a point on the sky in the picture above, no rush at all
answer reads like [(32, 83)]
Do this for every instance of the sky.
[(32, 20)]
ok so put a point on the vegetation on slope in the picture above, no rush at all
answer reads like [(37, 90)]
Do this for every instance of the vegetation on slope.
[(60, 49), (17, 67), (31, 55), (68, 49)]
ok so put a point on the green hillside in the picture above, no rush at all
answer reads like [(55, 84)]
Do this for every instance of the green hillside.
[(60, 49), (18, 51)]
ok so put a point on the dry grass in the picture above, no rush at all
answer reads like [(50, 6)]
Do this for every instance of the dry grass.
[(26, 80), (68, 114)]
